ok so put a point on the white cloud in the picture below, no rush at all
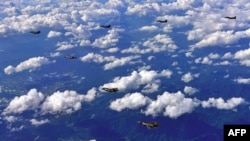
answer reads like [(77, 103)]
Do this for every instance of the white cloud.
[(223, 63), (208, 59), (243, 56), (227, 55), (11, 119), (31, 101), (55, 54), (220, 103), (97, 58), (120, 62), (30, 64), (15, 129), (36, 122), (166, 73), (66, 102), (174, 21), (242, 80), (158, 43), (114, 3), (214, 56), (217, 38), (52, 34), (113, 50), (204, 60), (129, 101), (183, 4), (143, 9), (90, 96), (189, 77), (84, 42), (150, 58), (108, 40), (151, 87), (136, 79), (149, 28), (97, 11), (171, 104), (223, 31), (188, 54), (64, 46), (190, 90), (112, 61)]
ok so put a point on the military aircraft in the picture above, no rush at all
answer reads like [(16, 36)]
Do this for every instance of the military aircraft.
[(35, 32), (162, 21), (105, 26), (110, 89), (149, 125), (231, 17), (70, 57)]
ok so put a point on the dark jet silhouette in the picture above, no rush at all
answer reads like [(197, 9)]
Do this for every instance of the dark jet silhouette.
[(231, 17), (112, 90), (149, 125), (35, 32), (162, 21), (105, 26), (70, 57)]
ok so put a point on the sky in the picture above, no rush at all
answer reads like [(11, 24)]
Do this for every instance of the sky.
[(197, 61)]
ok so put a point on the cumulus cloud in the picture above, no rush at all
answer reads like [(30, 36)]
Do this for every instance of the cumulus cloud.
[(171, 104), (52, 34), (243, 56), (111, 61), (224, 31), (113, 50), (108, 40), (158, 43), (11, 119), (90, 96), (129, 101), (188, 77), (30, 64), (217, 38), (136, 79), (66, 102), (120, 62), (220, 103), (148, 28), (97, 58), (151, 87), (242, 80), (190, 90), (166, 73), (36, 122), (143, 9), (64, 46), (97, 11), (30, 101), (55, 54)]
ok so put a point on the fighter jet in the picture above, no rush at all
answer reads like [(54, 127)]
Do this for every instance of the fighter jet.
[(70, 57), (112, 90), (231, 17), (162, 21), (105, 26), (149, 125), (35, 32)]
